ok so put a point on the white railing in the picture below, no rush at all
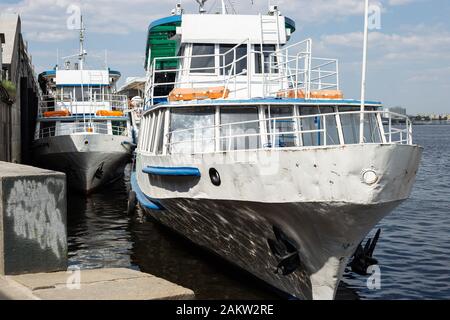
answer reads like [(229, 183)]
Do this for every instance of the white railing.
[(290, 68), (90, 105), (319, 130), (81, 128)]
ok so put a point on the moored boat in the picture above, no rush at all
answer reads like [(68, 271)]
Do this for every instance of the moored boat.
[(82, 129), (248, 148)]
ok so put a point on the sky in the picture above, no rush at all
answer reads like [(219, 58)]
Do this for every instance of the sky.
[(409, 48)]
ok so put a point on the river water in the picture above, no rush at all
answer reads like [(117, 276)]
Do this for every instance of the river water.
[(413, 251)]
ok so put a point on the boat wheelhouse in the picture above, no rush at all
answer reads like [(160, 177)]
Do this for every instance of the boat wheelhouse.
[(81, 101), (249, 148), (82, 128)]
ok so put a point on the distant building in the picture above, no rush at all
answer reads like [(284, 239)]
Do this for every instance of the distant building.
[(399, 110), (18, 112)]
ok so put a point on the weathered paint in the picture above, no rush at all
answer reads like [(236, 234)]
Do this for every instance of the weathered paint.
[(82, 156), (317, 196)]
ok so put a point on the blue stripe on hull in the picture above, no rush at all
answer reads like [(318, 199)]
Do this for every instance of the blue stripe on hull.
[(142, 198), (174, 172)]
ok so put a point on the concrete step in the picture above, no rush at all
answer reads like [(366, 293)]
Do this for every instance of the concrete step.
[(98, 284)]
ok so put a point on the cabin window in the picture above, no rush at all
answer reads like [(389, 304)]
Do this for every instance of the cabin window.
[(82, 94), (192, 130), (269, 60), (313, 123), (96, 94), (281, 127), (229, 55), (160, 142), (206, 62), (47, 129), (331, 126), (151, 132), (351, 125), (119, 128), (372, 132), (67, 93), (236, 135)]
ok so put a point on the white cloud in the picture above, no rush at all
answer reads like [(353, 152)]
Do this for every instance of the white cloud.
[(420, 45), (45, 20)]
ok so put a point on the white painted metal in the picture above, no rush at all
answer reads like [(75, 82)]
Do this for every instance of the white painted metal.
[(81, 155), (230, 29), (297, 70), (320, 195), (364, 70), (316, 196)]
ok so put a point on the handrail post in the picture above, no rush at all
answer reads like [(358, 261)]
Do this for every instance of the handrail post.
[(390, 128)]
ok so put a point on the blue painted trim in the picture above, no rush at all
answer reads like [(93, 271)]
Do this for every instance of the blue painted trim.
[(261, 101), (114, 73), (48, 73), (82, 85), (81, 117), (174, 172), (274, 101), (151, 204), (165, 20), (290, 24)]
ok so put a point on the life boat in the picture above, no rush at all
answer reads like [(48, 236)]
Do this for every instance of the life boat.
[(59, 113), (327, 94), (291, 94), (184, 94), (109, 113), (317, 94)]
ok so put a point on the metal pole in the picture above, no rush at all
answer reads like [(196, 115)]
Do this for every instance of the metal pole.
[(364, 70)]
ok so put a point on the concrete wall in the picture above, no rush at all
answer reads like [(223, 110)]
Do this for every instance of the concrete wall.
[(33, 220), (19, 69)]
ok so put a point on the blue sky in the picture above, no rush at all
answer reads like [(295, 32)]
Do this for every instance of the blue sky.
[(409, 57)]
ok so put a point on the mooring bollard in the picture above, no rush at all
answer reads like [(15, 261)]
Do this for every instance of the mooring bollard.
[(33, 220)]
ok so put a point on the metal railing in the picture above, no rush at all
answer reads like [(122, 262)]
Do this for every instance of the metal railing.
[(90, 105), (81, 128), (318, 130), (289, 68)]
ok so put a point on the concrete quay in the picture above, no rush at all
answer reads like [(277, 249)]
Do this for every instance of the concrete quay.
[(100, 284), (33, 247)]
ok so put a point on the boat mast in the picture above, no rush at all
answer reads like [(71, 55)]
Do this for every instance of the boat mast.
[(364, 71), (81, 67), (82, 52), (224, 7)]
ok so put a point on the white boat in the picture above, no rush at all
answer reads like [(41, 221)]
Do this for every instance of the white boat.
[(82, 129), (253, 153), (134, 90)]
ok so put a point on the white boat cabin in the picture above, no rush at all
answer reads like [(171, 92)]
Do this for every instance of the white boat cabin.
[(81, 102), (234, 83)]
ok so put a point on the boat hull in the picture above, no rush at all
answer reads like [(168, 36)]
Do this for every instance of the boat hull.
[(89, 161), (317, 198), (240, 231)]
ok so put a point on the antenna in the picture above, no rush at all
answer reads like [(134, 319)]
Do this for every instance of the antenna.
[(82, 52)]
